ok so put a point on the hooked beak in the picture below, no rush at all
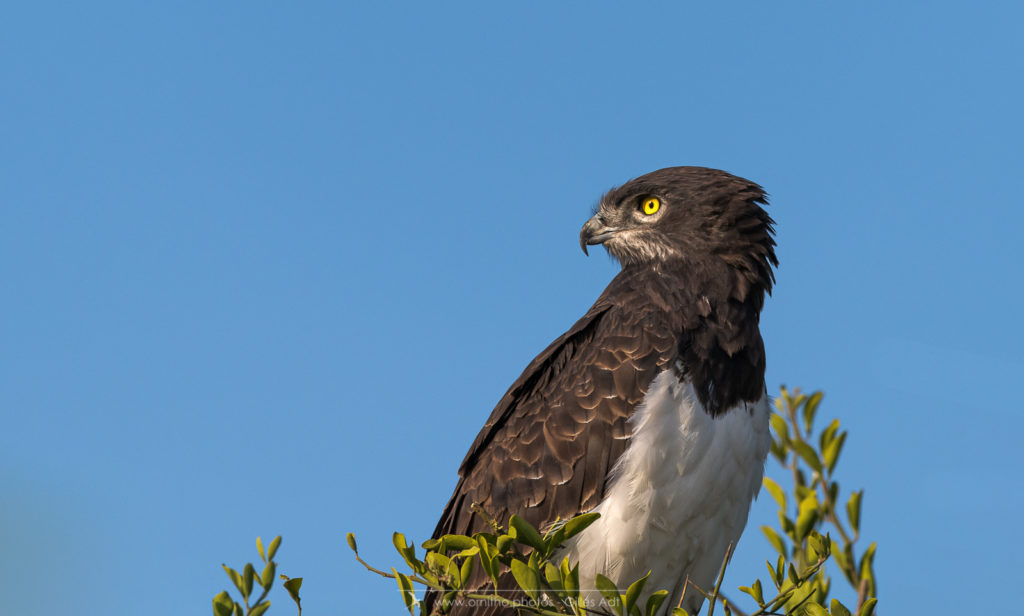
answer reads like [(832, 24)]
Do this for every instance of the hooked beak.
[(595, 232)]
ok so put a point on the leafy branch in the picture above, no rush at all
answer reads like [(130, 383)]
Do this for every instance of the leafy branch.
[(544, 586), (224, 605)]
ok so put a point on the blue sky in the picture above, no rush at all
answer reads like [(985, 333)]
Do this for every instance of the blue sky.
[(267, 267)]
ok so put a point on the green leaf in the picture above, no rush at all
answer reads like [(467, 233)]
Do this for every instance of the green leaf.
[(437, 562), (678, 611), (654, 602), (405, 587), (259, 547), (503, 542), (446, 601), (777, 493), (808, 454), (272, 548), (811, 409), (572, 580), (235, 578), (526, 577), (258, 610), (756, 592), (473, 551), (488, 558), (779, 426), (774, 539), (407, 551), (222, 604), (868, 608), (610, 592), (831, 453), (786, 524), (806, 517), (813, 609), (817, 546), (457, 542), (525, 533), (774, 573), (838, 609), (853, 510), (267, 578), (578, 524), (293, 585), (248, 573), (867, 560), (352, 542), (837, 554), (398, 539), (238, 611), (828, 434), (633, 592), (553, 577)]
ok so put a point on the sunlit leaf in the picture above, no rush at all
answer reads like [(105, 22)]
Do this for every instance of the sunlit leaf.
[(259, 609), (654, 602), (248, 574), (236, 579), (838, 609), (293, 585), (579, 523), (813, 609), (778, 495), (553, 576), (807, 453), (828, 434), (405, 587), (272, 548), (811, 409), (610, 592), (633, 592), (267, 578), (526, 577), (525, 533), (853, 510), (868, 608), (457, 542), (831, 453), (222, 604), (779, 426), (774, 539)]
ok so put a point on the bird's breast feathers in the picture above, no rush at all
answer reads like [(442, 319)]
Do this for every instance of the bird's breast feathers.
[(679, 494)]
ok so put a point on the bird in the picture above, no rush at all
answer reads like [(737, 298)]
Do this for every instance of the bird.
[(651, 410)]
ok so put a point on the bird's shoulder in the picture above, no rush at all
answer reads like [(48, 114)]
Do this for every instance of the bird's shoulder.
[(611, 353)]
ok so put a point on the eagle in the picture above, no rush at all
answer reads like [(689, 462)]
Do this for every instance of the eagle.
[(652, 409)]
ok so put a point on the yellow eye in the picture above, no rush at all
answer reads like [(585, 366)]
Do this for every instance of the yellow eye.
[(650, 205)]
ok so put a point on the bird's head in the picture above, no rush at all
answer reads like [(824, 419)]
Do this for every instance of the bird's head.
[(686, 215)]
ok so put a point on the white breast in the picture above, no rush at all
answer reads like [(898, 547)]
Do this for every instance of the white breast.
[(679, 495)]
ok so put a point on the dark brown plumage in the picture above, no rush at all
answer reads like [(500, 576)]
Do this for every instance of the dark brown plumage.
[(687, 299)]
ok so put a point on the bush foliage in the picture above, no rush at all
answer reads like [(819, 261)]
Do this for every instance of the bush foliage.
[(817, 537)]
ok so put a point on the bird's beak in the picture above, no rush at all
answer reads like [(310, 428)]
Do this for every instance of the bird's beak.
[(595, 232)]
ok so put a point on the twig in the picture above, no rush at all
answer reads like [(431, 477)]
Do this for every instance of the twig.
[(721, 576), (479, 510), (862, 594), (682, 595)]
